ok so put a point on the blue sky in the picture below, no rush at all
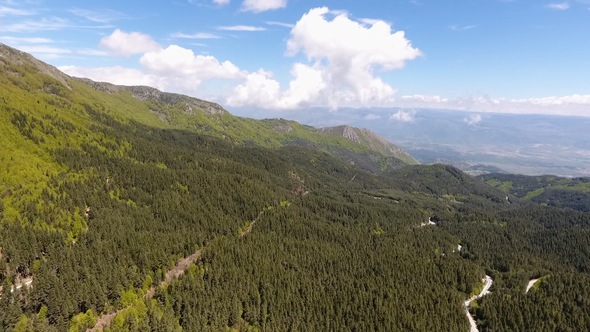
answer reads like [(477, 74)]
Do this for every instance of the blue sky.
[(511, 56)]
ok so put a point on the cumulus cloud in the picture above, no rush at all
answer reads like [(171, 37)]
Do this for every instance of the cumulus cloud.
[(173, 68), (344, 56), (402, 116), (473, 119), (176, 61), (349, 53), (128, 43), (259, 88), (258, 6), (221, 2), (307, 85)]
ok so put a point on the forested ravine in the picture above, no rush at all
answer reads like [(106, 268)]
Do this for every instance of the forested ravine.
[(485, 290)]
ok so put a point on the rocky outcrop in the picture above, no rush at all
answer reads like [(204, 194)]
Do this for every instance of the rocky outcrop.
[(370, 139)]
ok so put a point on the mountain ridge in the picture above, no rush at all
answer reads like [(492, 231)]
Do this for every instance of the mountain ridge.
[(173, 110)]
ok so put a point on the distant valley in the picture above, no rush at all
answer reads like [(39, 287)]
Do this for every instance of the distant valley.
[(474, 142)]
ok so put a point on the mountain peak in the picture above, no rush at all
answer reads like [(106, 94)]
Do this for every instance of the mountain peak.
[(366, 137), (9, 55)]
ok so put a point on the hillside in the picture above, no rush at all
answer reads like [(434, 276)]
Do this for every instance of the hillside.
[(549, 190), (129, 209)]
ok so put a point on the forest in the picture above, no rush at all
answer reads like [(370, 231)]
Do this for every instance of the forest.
[(98, 204)]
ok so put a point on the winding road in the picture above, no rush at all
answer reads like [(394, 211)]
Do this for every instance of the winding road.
[(486, 290), (530, 285)]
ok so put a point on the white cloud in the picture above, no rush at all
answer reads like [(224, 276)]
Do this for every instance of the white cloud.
[(44, 24), (199, 35), (307, 85), (28, 40), (456, 27), (349, 53), (99, 16), (423, 99), (559, 6), (372, 117), (179, 69), (258, 6), (241, 28), (369, 21), (128, 43), (281, 24), (343, 56), (176, 61), (563, 105), (174, 69), (473, 119), (9, 11), (554, 101), (44, 49), (403, 116), (259, 88), (91, 52), (221, 2)]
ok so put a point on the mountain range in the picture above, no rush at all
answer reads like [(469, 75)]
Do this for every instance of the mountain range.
[(131, 209)]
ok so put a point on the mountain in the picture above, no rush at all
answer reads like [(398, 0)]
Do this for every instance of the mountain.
[(168, 110), (373, 141), (130, 209)]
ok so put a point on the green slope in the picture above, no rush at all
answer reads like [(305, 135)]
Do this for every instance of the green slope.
[(554, 191)]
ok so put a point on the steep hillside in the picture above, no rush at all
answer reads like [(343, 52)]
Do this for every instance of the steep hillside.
[(128, 209)]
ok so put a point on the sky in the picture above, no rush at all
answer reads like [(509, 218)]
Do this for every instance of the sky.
[(512, 56)]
